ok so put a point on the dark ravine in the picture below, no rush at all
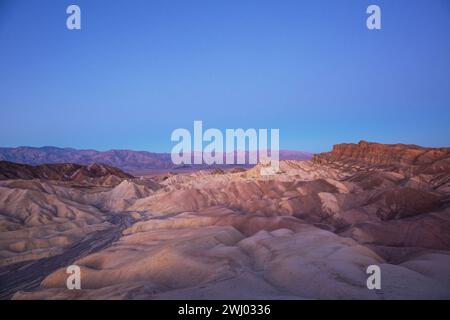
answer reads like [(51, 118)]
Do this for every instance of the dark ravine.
[(29, 274)]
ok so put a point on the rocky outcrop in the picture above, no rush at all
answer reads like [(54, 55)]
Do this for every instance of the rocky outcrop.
[(397, 155)]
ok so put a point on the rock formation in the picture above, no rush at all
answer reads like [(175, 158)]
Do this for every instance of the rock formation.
[(309, 231)]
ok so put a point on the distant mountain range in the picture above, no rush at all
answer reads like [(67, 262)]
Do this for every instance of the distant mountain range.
[(128, 160)]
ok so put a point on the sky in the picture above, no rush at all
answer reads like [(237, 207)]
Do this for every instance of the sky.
[(137, 70)]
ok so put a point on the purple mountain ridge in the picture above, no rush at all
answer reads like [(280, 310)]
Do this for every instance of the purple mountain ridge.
[(128, 160)]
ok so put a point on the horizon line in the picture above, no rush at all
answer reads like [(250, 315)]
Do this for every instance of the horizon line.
[(135, 150)]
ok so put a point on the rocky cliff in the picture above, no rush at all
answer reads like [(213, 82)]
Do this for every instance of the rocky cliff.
[(397, 155)]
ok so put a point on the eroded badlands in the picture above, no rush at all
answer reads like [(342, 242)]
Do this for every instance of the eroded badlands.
[(308, 232)]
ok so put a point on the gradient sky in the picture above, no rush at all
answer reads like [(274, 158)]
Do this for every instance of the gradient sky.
[(139, 69)]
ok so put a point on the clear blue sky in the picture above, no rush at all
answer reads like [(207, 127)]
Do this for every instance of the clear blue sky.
[(139, 69)]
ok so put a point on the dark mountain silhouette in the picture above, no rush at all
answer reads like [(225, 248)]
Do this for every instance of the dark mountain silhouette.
[(98, 173)]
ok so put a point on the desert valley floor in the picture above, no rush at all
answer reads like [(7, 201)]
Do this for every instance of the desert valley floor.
[(307, 232)]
